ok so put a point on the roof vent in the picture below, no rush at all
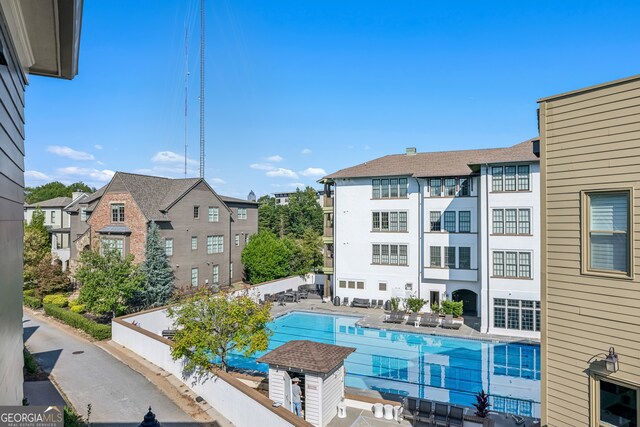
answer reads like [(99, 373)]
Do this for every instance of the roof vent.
[(411, 151)]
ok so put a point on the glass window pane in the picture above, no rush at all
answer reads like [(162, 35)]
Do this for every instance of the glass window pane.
[(384, 257), (393, 254), (375, 186), (527, 320), (376, 254), (393, 221), (511, 221), (609, 222), (375, 221), (464, 219), (393, 184), (403, 187), (435, 185), (385, 221), (511, 269), (450, 257), (464, 187), (524, 221), (509, 178), (498, 264), (496, 180), (403, 221), (450, 221), (435, 256), (524, 265), (450, 187), (465, 257), (499, 320), (403, 255), (384, 183), (513, 318), (523, 178), (618, 404), (498, 221), (435, 221)]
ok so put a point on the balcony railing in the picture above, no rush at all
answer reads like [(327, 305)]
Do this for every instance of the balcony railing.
[(328, 230), (328, 202)]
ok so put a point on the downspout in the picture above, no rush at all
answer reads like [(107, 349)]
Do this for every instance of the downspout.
[(230, 246), (420, 234), (486, 184)]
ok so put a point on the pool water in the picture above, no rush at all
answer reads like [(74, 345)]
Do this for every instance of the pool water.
[(427, 366)]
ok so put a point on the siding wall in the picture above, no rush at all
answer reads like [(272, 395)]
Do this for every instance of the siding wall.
[(590, 140), (332, 393), (11, 217), (312, 405)]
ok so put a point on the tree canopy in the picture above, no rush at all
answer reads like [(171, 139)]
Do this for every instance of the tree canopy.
[(302, 212), (211, 326), (54, 189), (266, 258), (159, 283), (36, 244)]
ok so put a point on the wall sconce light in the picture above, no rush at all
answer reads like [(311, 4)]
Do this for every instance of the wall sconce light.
[(611, 362)]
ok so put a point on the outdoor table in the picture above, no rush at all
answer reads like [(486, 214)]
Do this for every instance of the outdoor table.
[(377, 410), (388, 412)]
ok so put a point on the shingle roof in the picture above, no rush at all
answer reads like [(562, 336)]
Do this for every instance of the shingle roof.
[(235, 200), (115, 229), (442, 163), (51, 203), (308, 356)]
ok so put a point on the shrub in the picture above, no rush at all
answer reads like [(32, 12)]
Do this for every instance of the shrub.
[(482, 404), (78, 308), (30, 363), (414, 304), (32, 302), (56, 299), (452, 307), (435, 308), (96, 330), (29, 292), (395, 303), (72, 419)]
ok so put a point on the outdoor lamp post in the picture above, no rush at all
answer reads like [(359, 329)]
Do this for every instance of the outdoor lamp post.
[(149, 420), (611, 362)]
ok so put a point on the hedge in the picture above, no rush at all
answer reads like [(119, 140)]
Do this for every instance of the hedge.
[(56, 299), (32, 302), (452, 307), (96, 330)]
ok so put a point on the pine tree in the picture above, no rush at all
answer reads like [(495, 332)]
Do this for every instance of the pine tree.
[(159, 283)]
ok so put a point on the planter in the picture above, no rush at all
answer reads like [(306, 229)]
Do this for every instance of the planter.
[(473, 421)]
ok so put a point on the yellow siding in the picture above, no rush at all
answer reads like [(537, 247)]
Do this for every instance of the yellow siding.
[(590, 140)]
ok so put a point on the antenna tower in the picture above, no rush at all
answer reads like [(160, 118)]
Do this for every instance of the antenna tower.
[(202, 88)]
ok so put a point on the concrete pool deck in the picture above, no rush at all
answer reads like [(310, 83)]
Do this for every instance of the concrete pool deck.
[(374, 318)]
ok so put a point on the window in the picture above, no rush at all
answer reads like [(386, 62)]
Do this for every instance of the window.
[(512, 264), (464, 189), (194, 276), (215, 244), (618, 404), (342, 284), (509, 178), (117, 213), (449, 186), (385, 220), (435, 257), (53, 217), (393, 188), (512, 221), (215, 274), (516, 314), (435, 220), (242, 213), (213, 214), (194, 243), (386, 254), (523, 178), (351, 284), (450, 256), (246, 239), (402, 221), (464, 221), (231, 270), (389, 221), (382, 286), (237, 239), (435, 186), (375, 222), (393, 221), (196, 212), (450, 221), (359, 285), (112, 244), (83, 214), (465, 258), (607, 231), (496, 180), (168, 247)]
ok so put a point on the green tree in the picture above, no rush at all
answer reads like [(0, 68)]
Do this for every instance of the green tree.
[(54, 189), (311, 249), (269, 217), (266, 258), (36, 244), (49, 277), (303, 211), (159, 283), (211, 326), (108, 281)]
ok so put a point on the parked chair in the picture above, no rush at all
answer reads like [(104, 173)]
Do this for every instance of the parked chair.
[(410, 408), (424, 412), (380, 303), (345, 301), (373, 304), (413, 318), (430, 320), (441, 415), (449, 324), (169, 333), (395, 317), (456, 416)]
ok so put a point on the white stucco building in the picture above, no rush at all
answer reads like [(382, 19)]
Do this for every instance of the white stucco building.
[(460, 225)]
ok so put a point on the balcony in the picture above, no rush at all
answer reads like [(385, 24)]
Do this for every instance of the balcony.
[(328, 230), (328, 204), (328, 263)]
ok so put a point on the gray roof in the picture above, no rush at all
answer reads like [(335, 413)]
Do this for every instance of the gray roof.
[(442, 163), (114, 229), (228, 199), (56, 202), (308, 356)]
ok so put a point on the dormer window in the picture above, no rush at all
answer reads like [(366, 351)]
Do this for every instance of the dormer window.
[(117, 212)]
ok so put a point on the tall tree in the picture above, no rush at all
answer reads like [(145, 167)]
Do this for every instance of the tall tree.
[(159, 283), (217, 325), (303, 211), (266, 258), (54, 189), (36, 244), (311, 249), (108, 281)]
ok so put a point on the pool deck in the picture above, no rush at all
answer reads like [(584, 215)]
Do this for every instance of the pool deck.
[(374, 318)]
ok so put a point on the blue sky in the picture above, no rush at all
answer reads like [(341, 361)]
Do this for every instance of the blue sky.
[(295, 88)]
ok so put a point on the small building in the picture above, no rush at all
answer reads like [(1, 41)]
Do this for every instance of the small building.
[(320, 368)]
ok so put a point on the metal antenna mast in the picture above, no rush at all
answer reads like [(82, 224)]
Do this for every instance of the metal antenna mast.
[(186, 93), (202, 88)]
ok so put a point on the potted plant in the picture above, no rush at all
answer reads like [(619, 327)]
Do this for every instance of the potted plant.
[(481, 416), (395, 303), (435, 308), (414, 304)]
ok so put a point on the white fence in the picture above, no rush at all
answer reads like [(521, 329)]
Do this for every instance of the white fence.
[(237, 402), (282, 285)]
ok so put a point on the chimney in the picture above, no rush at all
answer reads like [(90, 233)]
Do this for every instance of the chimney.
[(76, 194), (411, 151)]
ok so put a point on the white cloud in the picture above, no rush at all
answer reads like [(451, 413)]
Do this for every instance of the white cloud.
[(69, 152), (171, 157), (98, 147), (313, 172), (293, 185), (169, 171), (216, 181), (99, 162), (87, 173), (275, 158), (262, 166), (39, 176), (306, 151), (282, 173)]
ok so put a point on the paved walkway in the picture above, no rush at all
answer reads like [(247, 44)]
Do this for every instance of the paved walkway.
[(86, 374)]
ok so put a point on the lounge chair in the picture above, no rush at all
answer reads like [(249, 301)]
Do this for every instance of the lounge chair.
[(430, 320), (410, 408), (360, 302), (413, 319), (345, 301), (424, 412), (456, 416), (441, 415), (448, 323), (380, 303), (395, 317)]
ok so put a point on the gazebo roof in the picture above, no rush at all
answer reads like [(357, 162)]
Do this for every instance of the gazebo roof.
[(308, 356)]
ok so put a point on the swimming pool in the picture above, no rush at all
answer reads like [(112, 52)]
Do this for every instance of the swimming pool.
[(427, 366)]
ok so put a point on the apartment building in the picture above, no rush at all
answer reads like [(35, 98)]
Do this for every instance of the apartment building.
[(590, 157), (283, 198), (204, 233), (40, 40), (460, 225)]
